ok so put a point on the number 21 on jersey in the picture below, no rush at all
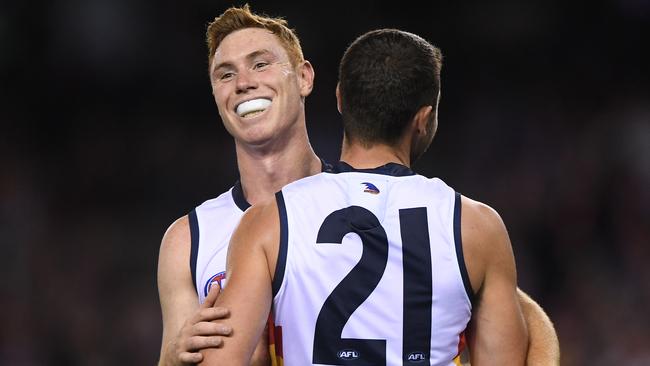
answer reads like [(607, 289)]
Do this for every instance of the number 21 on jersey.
[(329, 346)]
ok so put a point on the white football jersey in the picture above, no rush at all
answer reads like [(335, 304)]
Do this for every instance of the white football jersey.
[(211, 226), (370, 269)]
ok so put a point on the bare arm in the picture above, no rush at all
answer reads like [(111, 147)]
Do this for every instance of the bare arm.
[(186, 326), (251, 257), (498, 334), (543, 344)]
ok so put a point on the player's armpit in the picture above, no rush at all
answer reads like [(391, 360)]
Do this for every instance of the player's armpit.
[(248, 293), (497, 334)]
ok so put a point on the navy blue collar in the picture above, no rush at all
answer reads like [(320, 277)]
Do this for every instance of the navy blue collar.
[(393, 169), (238, 191), (238, 196)]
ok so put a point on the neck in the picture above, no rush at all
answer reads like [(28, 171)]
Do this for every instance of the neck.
[(264, 170), (363, 157)]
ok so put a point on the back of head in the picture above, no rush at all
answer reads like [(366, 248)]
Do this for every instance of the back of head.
[(385, 77), (234, 19)]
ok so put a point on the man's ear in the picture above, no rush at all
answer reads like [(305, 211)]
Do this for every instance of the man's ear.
[(306, 78), (338, 98), (423, 118)]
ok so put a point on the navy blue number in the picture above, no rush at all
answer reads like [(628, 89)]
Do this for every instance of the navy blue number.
[(418, 282), (354, 289)]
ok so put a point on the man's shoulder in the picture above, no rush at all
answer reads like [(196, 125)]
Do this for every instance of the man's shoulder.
[(260, 225), (481, 217), (178, 229), (484, 237), (175, 241)]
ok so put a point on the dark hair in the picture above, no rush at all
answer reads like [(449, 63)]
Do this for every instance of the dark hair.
[(385, 77)]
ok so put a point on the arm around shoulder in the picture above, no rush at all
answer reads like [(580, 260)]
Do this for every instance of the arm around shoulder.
[(498, 334)]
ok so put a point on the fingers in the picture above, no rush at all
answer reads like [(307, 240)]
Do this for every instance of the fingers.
[(209, 314), (199, 331), (191, 358), (199, 343), (200, 336), (210, 329), (215, 289)]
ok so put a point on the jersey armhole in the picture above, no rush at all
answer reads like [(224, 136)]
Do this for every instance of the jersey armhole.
[(459, 249), (282, 250), (194, 246)]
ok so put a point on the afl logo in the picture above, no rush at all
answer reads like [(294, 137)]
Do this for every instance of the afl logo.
[(416, 357), (370, 188), (347, 354), (214, 279)]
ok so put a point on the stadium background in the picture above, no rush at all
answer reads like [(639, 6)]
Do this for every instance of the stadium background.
[(109, 132)]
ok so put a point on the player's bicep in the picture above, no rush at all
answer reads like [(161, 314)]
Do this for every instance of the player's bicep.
[(498, 332), (178, 298), (248, 291)]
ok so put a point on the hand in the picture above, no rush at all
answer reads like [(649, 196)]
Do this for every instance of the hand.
[(199, 332)]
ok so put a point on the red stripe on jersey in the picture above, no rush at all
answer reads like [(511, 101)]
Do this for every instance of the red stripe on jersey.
[(275, 342), (462, 343)]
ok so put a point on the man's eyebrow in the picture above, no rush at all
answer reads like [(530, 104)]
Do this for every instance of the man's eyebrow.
[(257, 53), (249, 57), (222, 65)]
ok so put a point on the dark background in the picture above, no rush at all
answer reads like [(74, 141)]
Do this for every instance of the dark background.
[(109, 132)]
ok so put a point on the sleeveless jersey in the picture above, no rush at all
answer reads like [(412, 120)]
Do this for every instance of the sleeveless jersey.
[(370, 269), (211, 226)]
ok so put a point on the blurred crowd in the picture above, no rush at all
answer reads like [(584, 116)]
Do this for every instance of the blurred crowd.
[(109, 133)]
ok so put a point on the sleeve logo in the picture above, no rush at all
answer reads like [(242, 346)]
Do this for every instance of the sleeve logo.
[(216, 279)]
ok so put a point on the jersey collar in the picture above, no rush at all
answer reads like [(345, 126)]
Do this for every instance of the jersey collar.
[(393, 169), (238, 196)]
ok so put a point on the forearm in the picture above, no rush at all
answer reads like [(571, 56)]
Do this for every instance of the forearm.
[(492, 344), (166, 357), (167, 349), (164, 361)]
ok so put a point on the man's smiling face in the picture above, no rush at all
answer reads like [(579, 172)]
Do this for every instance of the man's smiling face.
[(259, 93)]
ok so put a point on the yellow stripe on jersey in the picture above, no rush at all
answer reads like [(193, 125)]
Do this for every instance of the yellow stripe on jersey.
[(275, 342), (275, 360), (457, 361)]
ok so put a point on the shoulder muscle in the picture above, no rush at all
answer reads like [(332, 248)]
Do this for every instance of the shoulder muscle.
[(485, 240), (178, 298)]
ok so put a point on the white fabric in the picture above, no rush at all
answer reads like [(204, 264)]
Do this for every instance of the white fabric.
[(313, 270), (217, 220)]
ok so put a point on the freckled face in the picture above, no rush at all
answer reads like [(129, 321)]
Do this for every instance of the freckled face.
[(258, 92)]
